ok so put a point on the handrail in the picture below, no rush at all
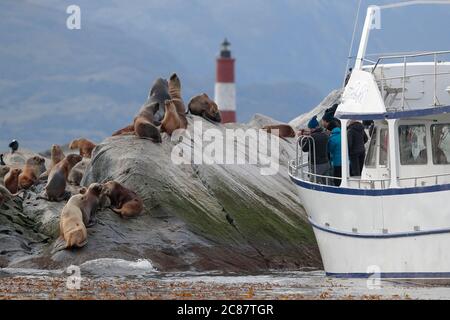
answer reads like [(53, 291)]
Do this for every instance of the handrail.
[(415, 55), (384, 183), (405, 58)]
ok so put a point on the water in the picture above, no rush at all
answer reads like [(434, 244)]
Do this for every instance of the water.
[(121, 279)]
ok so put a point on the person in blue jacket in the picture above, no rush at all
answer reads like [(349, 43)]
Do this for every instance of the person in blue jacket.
[(334, 148)]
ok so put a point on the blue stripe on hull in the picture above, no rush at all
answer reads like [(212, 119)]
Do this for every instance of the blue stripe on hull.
[(391, 275), (380, 236)]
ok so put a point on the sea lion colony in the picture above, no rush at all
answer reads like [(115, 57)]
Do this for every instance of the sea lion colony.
[(164, 111)]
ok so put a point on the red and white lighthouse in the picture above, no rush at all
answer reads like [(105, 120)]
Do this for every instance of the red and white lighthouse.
[(225, 89)]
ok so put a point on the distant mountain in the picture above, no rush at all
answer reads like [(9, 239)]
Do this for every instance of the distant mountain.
[(57, 84)]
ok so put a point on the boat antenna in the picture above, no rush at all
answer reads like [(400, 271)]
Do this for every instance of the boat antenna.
[(352, 42)]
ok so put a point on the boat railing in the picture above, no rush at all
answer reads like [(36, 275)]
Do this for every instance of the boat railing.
[(302, 171), (404, 77), (302, 168)]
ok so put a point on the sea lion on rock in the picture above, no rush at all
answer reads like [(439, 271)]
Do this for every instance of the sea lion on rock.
[(11, 180), (284, 130), (84, 145), (72, 229), (77, 172), (159, 93), (203, 106), (175, 93), (91, 203), (3, 171), (57, 179), (124, 201), (152, 112), (57, 155), (6, 194), (172, 119), (128, 130), (145, 129), (31, 172)]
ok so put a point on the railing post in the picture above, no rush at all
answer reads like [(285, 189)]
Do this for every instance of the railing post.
[(435, 100), (344, 153), (393, 143), (404, 83)]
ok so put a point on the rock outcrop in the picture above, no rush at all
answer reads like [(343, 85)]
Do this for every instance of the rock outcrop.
[(196, 217), (302, 121)]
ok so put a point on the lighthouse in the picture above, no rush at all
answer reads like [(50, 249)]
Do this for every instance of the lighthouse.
[(225, 89)]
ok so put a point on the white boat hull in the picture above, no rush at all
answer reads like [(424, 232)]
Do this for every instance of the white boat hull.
[(397, 233)]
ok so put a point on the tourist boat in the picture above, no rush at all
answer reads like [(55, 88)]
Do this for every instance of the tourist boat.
[(394, 220)]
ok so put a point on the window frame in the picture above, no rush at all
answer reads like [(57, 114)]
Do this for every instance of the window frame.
[(374, 137)]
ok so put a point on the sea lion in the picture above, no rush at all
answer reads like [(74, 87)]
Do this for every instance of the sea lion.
[(284, 130), (57, 155), (2, 162), (57, 179), (172, 119), (72, 229), (91, 203), (12, 180), (6, 194), (152, 112), (144, 127), (3, 171), (85, 146), (175, 93), (203, 106), (123, 201), (159, 93), (31, 171), (128, 130), (77, 172)]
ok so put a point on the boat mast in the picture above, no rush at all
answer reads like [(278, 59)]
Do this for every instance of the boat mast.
[(375, 12), (371, 11)]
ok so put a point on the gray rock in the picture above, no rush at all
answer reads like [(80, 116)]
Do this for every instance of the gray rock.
[(188, 208), (302, 121)]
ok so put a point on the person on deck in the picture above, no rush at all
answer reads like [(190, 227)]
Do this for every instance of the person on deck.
[(328, 117), (357, 138), (334, 148), (318, 157)]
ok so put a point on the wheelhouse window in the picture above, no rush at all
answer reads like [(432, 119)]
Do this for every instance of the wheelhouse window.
[(440, 143), (371, 158), (413, 144)]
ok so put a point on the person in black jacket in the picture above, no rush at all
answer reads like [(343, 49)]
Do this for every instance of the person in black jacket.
[(357, 138), (318, 158)]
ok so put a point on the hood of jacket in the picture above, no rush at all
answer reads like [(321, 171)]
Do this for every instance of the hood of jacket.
[(336, 131), (357, 126)]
